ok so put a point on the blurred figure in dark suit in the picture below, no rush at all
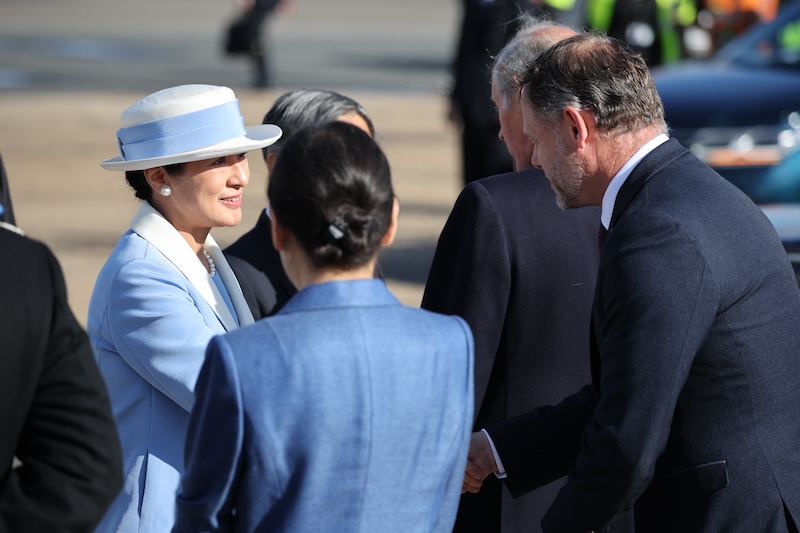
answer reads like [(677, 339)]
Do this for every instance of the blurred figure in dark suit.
[(252, 23), (59, 448), (486, 26)]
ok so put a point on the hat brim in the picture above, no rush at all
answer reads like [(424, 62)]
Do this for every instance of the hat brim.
[(257, 137)]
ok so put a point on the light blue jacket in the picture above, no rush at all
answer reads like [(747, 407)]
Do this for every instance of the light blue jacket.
[(345, 412), (153, 310)]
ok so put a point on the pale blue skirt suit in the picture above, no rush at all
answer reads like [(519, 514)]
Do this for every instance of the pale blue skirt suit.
[(153, 310), (345, 412)]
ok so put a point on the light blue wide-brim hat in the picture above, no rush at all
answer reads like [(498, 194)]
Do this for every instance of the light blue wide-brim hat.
[(183, 124)]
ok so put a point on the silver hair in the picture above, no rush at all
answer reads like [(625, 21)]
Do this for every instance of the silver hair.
[(521, 51), (299, 108)]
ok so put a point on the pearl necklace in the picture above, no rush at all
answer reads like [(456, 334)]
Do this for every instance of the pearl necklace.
[(212, 268)]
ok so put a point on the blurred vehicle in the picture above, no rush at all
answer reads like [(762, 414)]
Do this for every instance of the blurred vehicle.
[(739, 111)]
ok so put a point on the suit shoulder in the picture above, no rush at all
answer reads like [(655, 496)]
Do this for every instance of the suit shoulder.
[(526, 191), (254, 241), (242, 245), (526, 195), (497, 195), (240, 266), (528, 180), (26, 251)]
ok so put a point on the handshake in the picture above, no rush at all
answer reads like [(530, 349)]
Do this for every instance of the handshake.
[(480, 463)]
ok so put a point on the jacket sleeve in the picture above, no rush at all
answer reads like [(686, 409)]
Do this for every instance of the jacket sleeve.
[(471, 277), (71, 466), (659, 300), (213, 446), (158, 327), (541, 445)]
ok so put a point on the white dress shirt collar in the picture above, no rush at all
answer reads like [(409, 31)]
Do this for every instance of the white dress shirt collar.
[(610, 196)]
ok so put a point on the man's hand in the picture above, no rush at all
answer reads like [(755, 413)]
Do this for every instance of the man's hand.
[(480, 463)]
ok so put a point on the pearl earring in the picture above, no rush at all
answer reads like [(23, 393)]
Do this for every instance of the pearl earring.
[(165, 190)]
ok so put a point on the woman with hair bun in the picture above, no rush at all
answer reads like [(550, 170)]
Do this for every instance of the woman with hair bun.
[(345, 411)]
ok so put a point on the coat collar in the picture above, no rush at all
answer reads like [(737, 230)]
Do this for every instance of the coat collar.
[(661, 156), (155, 229), (355, 293)]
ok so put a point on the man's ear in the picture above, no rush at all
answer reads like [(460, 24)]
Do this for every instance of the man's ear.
[(270, 160), (391, 231), (578, 125), (280, 234)]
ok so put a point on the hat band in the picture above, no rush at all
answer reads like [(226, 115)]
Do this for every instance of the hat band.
[(181, 133)]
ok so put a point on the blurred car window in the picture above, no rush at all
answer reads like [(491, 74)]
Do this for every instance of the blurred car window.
[(766, 44), (739, 111)]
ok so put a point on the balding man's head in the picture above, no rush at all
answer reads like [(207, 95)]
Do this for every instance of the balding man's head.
[(534, 37)]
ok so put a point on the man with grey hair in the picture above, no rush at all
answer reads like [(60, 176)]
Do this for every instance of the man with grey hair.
[(521, 272), (252, 257)]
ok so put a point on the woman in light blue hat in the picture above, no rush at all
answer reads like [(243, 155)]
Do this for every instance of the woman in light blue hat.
[(167, 289)]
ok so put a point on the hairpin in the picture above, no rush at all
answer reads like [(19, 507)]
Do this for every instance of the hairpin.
[(337, 228)]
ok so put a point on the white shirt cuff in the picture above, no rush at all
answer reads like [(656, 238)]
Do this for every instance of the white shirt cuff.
[(501, 471)]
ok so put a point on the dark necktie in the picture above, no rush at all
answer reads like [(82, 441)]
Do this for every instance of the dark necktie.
[(601, 237)]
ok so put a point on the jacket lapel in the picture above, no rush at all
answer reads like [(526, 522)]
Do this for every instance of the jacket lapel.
[(641, 174), (156, 230)]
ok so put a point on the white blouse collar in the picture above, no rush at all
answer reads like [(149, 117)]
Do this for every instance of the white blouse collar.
[(155, 229)]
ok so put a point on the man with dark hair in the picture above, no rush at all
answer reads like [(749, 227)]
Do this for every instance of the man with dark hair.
[(693, 414), (521, 272), (253, 258)]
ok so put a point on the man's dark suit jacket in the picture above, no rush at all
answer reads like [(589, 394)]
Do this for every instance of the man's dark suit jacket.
[(257, 265), (693, 415), (521, 272), (54, 410)]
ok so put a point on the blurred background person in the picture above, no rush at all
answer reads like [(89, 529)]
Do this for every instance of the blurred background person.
[(166, 288), (725, 19), (6, 208), (654, 28), (486, 25), (253, 258), (58, 445), (248, 34), (345, 411)]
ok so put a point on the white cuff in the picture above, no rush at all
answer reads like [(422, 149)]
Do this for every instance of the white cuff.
[(501, 471)]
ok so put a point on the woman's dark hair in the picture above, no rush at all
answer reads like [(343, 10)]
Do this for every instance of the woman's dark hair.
[(138, 182), (331, 188)]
